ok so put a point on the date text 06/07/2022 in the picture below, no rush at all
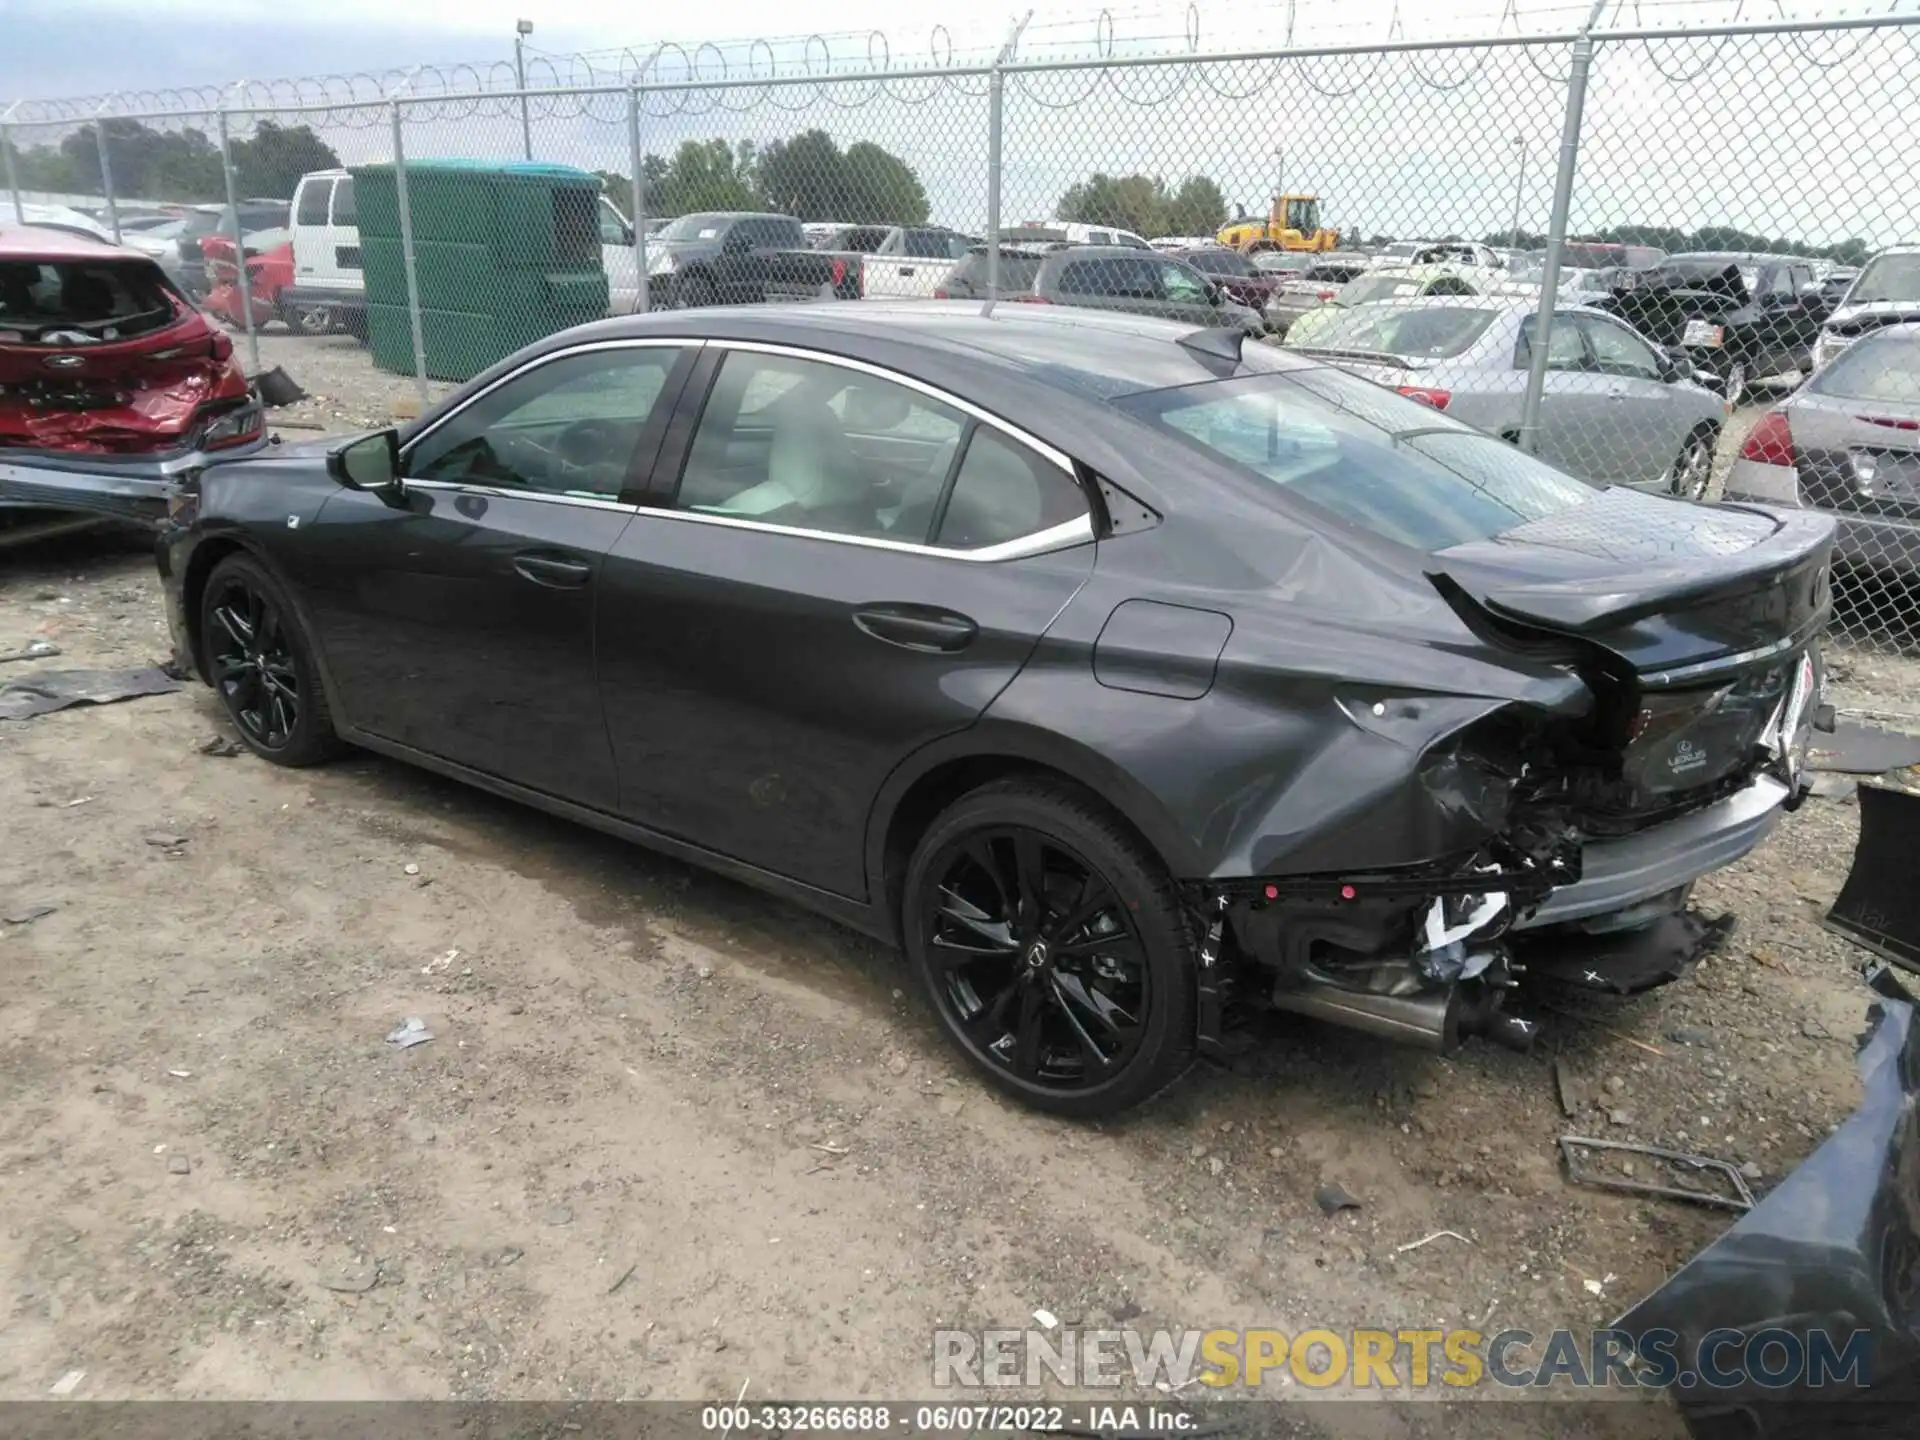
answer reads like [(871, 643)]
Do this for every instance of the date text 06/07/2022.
[(883, 1417)]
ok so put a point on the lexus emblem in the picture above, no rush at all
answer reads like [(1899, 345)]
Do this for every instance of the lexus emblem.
[(64, 362)]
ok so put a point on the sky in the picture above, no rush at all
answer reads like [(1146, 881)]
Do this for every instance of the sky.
[(1784, 135)]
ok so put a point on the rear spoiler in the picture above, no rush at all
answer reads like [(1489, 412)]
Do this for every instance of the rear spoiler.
[(1585, 607)]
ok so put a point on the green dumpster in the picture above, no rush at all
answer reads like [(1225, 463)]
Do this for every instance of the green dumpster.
[(504, 253)]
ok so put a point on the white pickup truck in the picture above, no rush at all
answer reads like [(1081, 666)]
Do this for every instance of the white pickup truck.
[(897, 261)]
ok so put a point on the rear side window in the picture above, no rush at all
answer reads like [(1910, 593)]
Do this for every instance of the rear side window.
[(1003, 492), (1117, 278), (1017, 272), (345, 211), (926, 244), (1437, 332), (1883, 369), (313, 202)]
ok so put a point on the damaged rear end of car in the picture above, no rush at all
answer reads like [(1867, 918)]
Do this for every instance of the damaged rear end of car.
[(1567, 705), (112, 385)]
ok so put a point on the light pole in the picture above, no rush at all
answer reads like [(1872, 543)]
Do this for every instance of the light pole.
[(522, 29), (1519, 186)]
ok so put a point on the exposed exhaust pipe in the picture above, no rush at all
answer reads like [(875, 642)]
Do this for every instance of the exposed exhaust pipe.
[(1434, 1020)]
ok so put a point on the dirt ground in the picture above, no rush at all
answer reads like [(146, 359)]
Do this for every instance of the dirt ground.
[(671, 1137)]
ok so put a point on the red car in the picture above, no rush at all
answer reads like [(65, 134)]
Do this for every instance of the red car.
[(111, 382), (269, 271), (1233, 273)]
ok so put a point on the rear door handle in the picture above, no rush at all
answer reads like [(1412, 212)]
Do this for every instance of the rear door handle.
[(554, 571), (917, 627)]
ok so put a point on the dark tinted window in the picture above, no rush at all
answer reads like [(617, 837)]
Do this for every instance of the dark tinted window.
[(927, 244), (87, 301), (345, 210), (701, 225), (1445, 487), (773, 232), (1219, 262), (1125, 279), (1005, 491), (313, 202), (864, 238)]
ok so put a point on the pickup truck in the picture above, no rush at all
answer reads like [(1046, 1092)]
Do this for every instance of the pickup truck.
[(742, 257), (895, 261)]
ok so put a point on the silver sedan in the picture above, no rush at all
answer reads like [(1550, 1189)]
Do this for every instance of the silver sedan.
[(1616, 409)]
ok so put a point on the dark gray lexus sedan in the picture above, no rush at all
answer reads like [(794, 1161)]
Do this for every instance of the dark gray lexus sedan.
[(1130, 676)]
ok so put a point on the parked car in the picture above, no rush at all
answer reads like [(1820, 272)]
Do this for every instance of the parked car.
[(205, 220), (1601, 255), (111, 382), (1848, 442), (1886, 292), (1103, 277), (1299, 291), (1740, 318), (1132, 677), (1233, 272), (893, 261), (63, 219), (1615, 410), (1403, 284), (730, 257), (1164, 243), (1577, 285), (1466, 253), (1075, 233)]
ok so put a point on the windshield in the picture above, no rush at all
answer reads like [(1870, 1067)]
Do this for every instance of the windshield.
[(1404, 248), (1887, 277), (1388, 286), (1303, 215), (1430, 332), (1384, 464), (1883, 368), (696, 227), (1282, 260)]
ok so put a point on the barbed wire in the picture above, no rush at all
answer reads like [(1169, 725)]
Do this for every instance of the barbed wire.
[(1102, 35)]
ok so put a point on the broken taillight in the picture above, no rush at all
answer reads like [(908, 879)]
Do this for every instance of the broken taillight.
[(1771, 441), (1430, 395)]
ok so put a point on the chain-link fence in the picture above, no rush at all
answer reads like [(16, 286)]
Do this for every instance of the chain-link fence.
[(1666, 259)]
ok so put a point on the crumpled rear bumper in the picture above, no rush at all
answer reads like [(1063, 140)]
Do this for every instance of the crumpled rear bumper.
[(1830, 1259), (134, 489)]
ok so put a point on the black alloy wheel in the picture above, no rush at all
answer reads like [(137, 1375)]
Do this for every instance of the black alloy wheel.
[(258, 660), (1053, 949)]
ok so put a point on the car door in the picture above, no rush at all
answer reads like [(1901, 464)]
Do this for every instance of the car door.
[(457, 616), (616, 258), (1646, 427), (1184, 293), (848, 566), (741, 269), (1574, 430)]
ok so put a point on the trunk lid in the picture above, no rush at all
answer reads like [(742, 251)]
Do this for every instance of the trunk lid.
[(1694, 625), (1861, 456)]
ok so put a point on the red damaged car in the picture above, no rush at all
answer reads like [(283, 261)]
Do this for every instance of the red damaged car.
[(112, 384)]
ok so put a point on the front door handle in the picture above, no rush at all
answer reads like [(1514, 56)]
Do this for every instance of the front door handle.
[(554, 571), (917, 627)]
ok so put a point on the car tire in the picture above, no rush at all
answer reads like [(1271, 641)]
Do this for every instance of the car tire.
[(1072, 926), (259, 659), (693, 292), (1693, 466), (308, 319)]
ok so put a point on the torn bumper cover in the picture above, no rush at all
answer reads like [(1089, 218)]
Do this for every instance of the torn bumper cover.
[(135, 489), (1819, 1284)]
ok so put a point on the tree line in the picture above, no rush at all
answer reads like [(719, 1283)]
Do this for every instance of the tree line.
[(182, 164), (807, 176)]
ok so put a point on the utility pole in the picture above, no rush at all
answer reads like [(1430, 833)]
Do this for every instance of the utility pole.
[(522, 29)]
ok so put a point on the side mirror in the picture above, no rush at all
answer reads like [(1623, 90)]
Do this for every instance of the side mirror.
[(1676, 366), (371, 462)]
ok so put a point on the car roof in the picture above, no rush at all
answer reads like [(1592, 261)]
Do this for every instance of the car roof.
[(1907, 248), (1418, 272), (37, 242)]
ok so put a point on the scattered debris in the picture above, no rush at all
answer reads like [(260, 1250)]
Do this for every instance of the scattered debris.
[(178, 1165), (1333, 1198), (1429, 1239), (1814, 1030), (1829, 786), (52, 690), (409, 1032), (1567, 1088), (30, 914), (1679, 1162), (1615, 1085), (950, 1106), (354, 1278), (1599, 1287), (277, 389), (32, 650), (1126, 1311), (411, 869), (181, 1074), (1689, 1035), (625, 1275), (165, 840), (1622, 1118), (67, 1383), (1048, 1320), (509, 1254), (434, 967), (1856, 749), (219, 745), (1750, 1171), (83, 800), (827, 1147), (897, 1064), (557, 1215)]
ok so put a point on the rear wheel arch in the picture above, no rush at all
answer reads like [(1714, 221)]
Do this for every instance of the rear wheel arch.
[(924, 786)]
